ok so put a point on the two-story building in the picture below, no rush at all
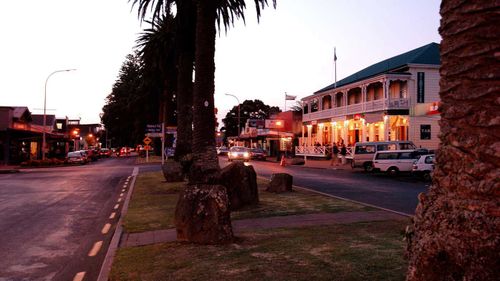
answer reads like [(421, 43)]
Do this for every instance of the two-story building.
[(395, 99)]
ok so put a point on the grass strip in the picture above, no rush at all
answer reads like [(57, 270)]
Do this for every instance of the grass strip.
[(358, 251), (152, 206)]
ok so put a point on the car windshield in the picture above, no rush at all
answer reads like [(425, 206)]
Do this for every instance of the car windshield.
[(257, 150), (238, 149)]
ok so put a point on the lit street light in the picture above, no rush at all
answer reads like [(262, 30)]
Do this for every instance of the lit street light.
[(238, 111), (45, 109)]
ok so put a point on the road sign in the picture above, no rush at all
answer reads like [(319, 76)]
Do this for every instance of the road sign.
[(146, 140), (153, 135)]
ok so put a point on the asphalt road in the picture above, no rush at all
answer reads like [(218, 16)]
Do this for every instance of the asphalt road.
[(52, 219), (394, 193)]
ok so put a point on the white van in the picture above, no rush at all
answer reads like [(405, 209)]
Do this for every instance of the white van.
[(395, 161), (363, 152)]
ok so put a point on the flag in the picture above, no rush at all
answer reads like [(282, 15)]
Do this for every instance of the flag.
[(334, 54), (290, 97)]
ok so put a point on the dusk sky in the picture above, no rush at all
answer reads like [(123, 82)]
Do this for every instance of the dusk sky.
[(291, 50)]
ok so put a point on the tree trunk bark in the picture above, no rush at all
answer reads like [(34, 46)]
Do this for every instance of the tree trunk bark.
[(456, 233), (185, 48), (205, 166)]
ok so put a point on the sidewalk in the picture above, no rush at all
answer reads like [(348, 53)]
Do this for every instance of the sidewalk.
[(240, 226), (316, 163), (6, 169)]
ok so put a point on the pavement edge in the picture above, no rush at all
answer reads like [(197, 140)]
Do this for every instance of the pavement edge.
[(113, 245)]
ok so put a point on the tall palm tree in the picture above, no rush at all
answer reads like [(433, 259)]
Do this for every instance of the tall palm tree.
[(157, 51), (457, 224), (185, 21), (208, 14)]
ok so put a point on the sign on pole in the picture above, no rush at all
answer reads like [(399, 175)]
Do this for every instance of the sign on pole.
[(147, 140)]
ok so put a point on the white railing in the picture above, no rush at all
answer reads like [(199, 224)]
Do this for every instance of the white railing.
[(398, 103), (369, 106), (317, 151)]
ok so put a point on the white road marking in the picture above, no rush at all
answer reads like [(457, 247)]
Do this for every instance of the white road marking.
[(123, 190), (124, 186), (117, 206), (119, 200), (112, 216), (95, 249), (121, 194), (79, 276), (106, 228)]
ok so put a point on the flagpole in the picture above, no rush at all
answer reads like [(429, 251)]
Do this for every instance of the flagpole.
[(335, 64)]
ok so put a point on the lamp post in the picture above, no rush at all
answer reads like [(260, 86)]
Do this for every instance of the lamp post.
[(239, 131), (45, 109)]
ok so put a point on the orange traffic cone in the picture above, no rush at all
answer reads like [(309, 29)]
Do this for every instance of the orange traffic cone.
[(283, 161)]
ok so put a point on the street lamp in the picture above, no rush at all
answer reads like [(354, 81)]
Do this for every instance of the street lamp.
[(45, 109), (239, 131)]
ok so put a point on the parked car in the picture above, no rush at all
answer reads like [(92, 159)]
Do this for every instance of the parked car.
[(105, 152), (92, 154), (364, 152), (424, 166), (76, 157), (222, 150), (238, 153), (258, 153), (395, 161)]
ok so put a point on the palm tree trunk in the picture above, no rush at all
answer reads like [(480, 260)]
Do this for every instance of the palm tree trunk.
[(185, 40), (457, 224), (206, 164)]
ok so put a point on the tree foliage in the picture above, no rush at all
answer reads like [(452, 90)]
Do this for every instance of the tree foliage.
[(249, 109)]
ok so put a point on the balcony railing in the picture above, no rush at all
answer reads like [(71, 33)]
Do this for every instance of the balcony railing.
[(369, 106), (318, 151)]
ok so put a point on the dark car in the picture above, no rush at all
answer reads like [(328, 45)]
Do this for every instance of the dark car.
[(105, 152), (223, 150), (258, 153)]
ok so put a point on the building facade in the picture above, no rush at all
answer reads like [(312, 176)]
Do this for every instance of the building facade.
[(395, 99)]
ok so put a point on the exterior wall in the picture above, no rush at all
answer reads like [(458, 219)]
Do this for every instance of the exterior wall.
[(431, 86), (414, 131)]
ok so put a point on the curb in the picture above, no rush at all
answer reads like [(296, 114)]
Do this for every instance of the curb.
[(348, 200), (10, 171), (115, 241)]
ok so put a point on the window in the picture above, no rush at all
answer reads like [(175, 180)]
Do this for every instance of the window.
[(382, 147), (386, 156), (408, 155), (365, 149), (425, 132), (404, 146), (429, 159)]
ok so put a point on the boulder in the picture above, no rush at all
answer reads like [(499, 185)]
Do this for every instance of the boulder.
[(280, 182), (172, 172), (298, 161), (241, 184), (202, 215)]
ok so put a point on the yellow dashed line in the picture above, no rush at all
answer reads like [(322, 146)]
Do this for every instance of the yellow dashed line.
[(79, 276), (95, 249), (106, 228)]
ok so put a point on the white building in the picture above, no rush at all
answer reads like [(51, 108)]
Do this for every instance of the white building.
[(395, 99)]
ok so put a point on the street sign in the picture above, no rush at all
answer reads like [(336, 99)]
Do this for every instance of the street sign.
[(153, 135), (146, 140), (153, 128)]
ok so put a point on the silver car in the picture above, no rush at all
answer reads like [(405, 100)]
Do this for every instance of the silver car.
[(238, 153)]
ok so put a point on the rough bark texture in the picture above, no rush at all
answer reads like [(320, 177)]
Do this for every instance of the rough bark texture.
[(202, 215), (205, 165), (185, 40), (172, 172), (241, 184), (280, 182), (457, 224)]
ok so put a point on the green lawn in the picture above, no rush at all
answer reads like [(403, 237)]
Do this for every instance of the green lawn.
[(152, 206), (358, 251)]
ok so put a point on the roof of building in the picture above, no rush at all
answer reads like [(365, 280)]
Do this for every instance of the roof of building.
[(50, 119), (428, 54)]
